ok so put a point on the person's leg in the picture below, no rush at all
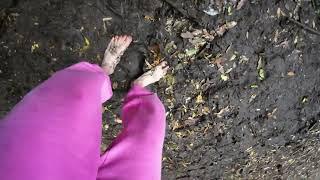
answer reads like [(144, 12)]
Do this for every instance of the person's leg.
[(136, 153), (55, 131)]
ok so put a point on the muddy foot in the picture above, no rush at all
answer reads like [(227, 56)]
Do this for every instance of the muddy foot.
[(152, 76), (113, 53)]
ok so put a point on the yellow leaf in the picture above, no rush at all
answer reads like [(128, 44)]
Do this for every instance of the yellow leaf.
[(34, 46), (86, 44), (199, 99)]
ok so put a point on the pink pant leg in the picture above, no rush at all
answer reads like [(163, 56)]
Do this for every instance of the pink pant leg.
[(137, 151), (54, 133)]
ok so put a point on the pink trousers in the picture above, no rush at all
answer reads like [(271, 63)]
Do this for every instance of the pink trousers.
[(54, 133)]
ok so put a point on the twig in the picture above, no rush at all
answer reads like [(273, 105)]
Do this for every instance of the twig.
[(184, 13), (304, 26)]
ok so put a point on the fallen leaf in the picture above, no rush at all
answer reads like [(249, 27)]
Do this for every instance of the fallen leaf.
[(280, 13), (149, 18), (191, 52), (169, 79), (34, 46), (222, 29), (175, 125), (155, 48), (224, 77), (304, 99), (86, 44), (252, 97), (170, 47), (191, 121), (199, 99), (240, 4), (187, 35), (210, 11), (222, 111), (290, 73), (254, 86), (262, 74), (205, 110), (271, 114)]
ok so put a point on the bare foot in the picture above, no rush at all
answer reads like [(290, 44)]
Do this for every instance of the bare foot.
[(113, 53), (152, 76)]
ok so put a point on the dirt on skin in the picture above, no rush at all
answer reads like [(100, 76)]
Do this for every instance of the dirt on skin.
[(242, 97)]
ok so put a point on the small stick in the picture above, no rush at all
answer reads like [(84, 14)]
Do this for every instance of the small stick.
[(304, 26)]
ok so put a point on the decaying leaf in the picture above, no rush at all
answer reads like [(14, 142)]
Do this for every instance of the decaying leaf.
[(191, 52), (155, 49), (175, 125), (222, 111), (206, 110), (187, 35), (222, 29), (198, 41), (191, 121), (156, 56), (170, 47), (169, 79)]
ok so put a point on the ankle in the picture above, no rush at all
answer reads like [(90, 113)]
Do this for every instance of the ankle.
[(107, 70), (138, 83)]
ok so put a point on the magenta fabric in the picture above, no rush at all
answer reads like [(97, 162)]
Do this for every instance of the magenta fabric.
[(54, 133)]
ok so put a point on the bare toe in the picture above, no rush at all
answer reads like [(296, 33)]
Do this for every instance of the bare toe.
[(152, 76), (113, 53)]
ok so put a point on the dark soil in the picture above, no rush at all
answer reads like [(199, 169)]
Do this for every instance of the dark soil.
[(262, 122)]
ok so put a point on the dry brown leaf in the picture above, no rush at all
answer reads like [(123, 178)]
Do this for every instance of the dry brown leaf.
[(240, 4), (175, 125), (222, 29)]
